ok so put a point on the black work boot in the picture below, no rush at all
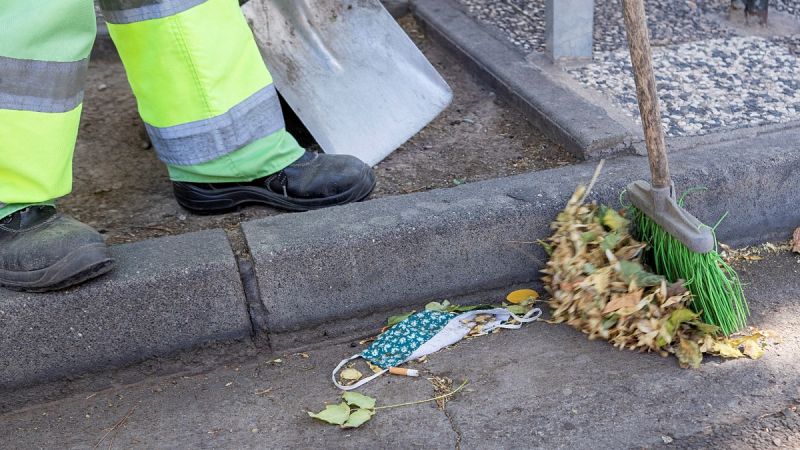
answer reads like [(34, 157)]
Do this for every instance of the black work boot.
[(316, 180), (41, 250)]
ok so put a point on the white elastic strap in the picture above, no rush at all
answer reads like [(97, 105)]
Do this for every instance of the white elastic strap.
[(357, 384), (531, 316)]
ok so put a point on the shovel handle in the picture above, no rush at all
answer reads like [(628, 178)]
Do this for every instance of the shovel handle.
[(642, 61)]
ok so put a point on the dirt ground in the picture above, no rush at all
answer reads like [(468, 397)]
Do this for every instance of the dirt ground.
[(122, 190)]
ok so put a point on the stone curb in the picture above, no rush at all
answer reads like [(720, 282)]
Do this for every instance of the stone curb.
[(165, 295), (583, 128)]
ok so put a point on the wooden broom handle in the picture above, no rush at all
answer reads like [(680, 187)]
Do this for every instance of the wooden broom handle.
[(642, 60)]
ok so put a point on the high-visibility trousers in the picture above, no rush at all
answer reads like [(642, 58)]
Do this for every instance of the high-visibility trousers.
[(201, 86)]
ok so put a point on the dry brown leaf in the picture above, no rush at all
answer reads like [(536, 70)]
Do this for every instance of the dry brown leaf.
[(618, 301), (796, 240)]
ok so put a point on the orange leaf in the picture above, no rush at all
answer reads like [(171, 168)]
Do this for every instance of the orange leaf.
[(521, 295)]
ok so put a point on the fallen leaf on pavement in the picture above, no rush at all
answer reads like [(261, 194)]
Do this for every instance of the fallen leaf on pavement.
[(521, 295), (752, 349), (351, 375), (374, 368), (726, 350), (358, 400), (358, 417), (689, 354), (335, 414), (796, 241)]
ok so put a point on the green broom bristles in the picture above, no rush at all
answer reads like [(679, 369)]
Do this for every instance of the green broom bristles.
[(715, 286)]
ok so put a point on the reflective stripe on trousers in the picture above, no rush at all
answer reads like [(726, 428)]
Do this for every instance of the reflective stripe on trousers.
[(43, 86), (198, 76)]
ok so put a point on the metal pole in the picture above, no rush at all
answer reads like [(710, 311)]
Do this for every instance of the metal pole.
[(569, 30)]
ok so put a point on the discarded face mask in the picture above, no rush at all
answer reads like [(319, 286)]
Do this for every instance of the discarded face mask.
[(426, 332)]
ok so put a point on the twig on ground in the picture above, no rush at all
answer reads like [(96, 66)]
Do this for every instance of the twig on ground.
[(116, 427)]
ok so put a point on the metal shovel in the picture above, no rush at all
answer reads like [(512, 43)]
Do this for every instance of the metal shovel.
[(349, 72)]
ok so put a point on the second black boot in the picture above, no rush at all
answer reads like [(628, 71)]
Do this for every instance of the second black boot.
[(314, 181)]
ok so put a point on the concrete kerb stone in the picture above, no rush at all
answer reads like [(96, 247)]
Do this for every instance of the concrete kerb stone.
[(319, 267), (583, 128), (166, 294)]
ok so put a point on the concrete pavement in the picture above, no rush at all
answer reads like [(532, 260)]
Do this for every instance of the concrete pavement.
[(544, 386)]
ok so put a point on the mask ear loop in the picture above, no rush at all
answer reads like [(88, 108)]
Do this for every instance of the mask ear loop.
[(531, 316), (357, 384)]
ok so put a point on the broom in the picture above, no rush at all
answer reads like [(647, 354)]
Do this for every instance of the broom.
[(680, 247)]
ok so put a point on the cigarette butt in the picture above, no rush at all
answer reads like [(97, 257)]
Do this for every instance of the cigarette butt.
[(404, 372)]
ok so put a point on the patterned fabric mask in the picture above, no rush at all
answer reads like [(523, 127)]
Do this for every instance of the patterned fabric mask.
[(426, 332)]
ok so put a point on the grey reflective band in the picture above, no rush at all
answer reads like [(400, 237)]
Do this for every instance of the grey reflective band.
[(197, 142), (2, 205), (129, 11), (42, 86)]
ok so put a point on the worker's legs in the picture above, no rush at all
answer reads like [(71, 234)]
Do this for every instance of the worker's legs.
[(213, 114), (44, 53)]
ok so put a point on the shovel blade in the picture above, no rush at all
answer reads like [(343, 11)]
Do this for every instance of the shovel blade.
[(349, 72)]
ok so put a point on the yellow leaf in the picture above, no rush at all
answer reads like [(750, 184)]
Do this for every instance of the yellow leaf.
[(351, 375), (374, 368), (726, 350), (613, 220), (521, 295), (752, 348)]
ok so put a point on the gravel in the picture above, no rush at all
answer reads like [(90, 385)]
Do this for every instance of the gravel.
[(710, 78), (710, 85), (788, 6), (675, 21)]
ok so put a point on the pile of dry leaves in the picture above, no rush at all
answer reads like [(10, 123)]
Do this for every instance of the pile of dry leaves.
[(598, 285)]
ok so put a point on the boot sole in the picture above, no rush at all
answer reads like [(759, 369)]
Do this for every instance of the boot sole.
[(218, 201), (81, 264)]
